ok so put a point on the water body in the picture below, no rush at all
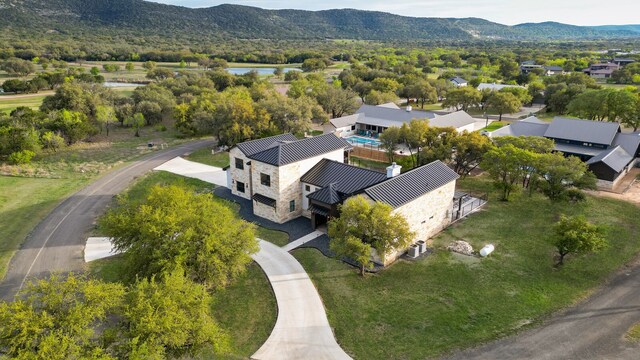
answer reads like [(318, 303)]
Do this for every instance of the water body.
[(121, 84), (261, 71)]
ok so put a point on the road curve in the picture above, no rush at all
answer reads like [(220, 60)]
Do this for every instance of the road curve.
[(302, 330), (57, 242), (594, 329)]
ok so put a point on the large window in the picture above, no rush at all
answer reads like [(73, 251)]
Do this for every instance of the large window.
[(307, 188), (292, 206), (239, 164), (265, 179), (240, 186)]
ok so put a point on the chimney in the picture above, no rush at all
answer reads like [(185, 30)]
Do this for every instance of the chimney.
[(409, 108), (393, 170)]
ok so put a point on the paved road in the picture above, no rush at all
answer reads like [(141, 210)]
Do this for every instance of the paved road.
[(56, 244), (302, 330), (592, 330)]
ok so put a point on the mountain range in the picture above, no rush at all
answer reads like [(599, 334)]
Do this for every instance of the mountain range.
[(140, 18)]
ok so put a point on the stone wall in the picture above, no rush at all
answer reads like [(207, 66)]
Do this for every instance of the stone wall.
[(426, 215), (240, 175)]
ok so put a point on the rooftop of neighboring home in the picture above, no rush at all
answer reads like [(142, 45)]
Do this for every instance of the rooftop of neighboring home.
[(576, 136), (286, 149), (387, 116), (616, 158), (494, 86), (553, 68), (458, 80), (339, 180), (408, 186)]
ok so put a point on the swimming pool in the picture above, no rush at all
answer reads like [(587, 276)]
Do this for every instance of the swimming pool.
[(363, 140)]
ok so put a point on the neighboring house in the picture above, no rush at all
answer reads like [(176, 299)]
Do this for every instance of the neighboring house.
[(289, 178), (608, 152), (458, 81), (529, 66), (601, 70), (553, 70), (622, 61), (495, 87), (372, 120)]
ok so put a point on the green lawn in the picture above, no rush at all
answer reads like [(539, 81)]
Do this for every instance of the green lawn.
[(494, 126), (23, 203), (426, 308), (279, 238), (246, 309), (204, 156), (8, 104)]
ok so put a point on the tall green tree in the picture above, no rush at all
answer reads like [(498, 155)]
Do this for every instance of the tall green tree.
[(559, 173), (337, 101), (105, 116), (462, 98), (506, 165), (503, 103), (390, 139), (469, 147), (187, 231), (363, 225)]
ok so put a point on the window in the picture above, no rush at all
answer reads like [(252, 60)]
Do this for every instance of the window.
[(239, 164), (292, 206), (307, 188), (265, 179), (353, 127), (240, 186)]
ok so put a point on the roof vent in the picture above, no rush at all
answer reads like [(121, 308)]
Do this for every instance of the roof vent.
[(409, 108)]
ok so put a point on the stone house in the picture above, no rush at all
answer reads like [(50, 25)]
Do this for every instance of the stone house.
[(287, 178)]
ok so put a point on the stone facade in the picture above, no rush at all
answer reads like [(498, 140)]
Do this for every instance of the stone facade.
[(426, 216), (240, 175)]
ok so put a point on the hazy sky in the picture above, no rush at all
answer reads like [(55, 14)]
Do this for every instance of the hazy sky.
[(577, 12)]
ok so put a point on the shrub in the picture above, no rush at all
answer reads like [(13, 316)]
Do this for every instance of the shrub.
[(21, 157)]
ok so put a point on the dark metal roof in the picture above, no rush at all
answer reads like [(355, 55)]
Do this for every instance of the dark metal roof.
[(318, 210), (597, 132), (615, 158), (264, 200), (327, 195), (283, 153), (553, 68), (521, 128), (458, 80), (255, 146), (629, 142), (409, 186), (346, 178)]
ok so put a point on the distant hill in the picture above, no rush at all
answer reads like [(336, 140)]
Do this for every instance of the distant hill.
[(626, 28), (142, 18)]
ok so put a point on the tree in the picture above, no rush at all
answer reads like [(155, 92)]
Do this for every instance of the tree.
[(506, 165), (521, 93), (52, 141), (111, 67), (376, 97), (105, 115), (390, 139), (414, 135), (129, 66), (462, 98), (575, 235), (189, 232), (292, 75), (290, 115), (74, 125), (363, 225), (591, 105), (278, 72), (509, 69), (151, 111), (621, 104), (337, 101), (160, 73), (19, 67), (56, 318), (469, 147), (149, 65), (170, 317), (313, 64), (136, 121), (385, 85), (503, 103)]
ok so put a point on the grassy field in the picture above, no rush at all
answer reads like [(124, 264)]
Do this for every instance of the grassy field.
[(23, 203), (494, 126), (246, 309), (425, 308), (8, 103), (204, 156), (633, 334)]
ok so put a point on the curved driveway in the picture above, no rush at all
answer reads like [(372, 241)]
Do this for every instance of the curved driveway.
[(594, 329), (56, 244), (302, 330)]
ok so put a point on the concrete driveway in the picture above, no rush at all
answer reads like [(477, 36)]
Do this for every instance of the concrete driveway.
[(206, 173), (302, 330)]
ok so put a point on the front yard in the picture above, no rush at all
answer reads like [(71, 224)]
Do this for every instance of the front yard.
[(435, 305)]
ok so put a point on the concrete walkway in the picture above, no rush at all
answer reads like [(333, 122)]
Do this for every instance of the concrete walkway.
[(303, 240), (302, 330), (98, 248), (206, 173)]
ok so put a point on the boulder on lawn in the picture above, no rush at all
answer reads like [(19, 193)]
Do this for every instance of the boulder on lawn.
[(461, 247)]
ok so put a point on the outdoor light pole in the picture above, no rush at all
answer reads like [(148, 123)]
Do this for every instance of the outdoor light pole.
[(486, 116)]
